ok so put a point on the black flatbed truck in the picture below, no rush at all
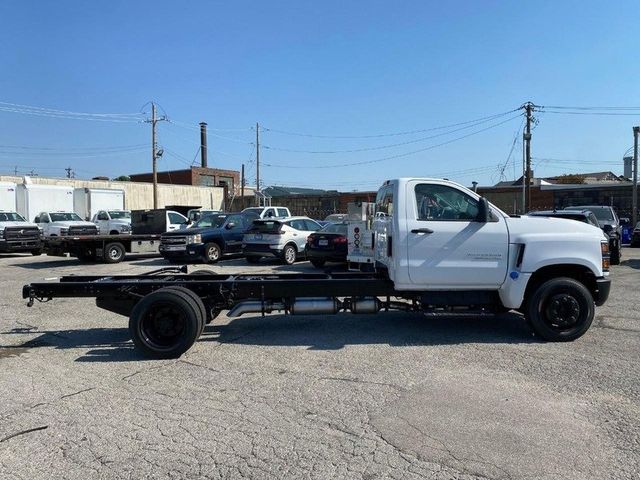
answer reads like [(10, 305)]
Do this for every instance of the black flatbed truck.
[(105, 248)]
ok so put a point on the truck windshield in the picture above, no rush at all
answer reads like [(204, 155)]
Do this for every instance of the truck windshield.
[(65, 217), (119, 214), (603, 214), (215, 221), (10, 217), (257, 210)]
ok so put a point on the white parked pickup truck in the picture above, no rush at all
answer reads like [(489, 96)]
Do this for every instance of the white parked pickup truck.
[(269, 212), (439, 248), (58, 224), (113, 222)]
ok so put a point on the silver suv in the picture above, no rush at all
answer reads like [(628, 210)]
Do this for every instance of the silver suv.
[(284, 238)]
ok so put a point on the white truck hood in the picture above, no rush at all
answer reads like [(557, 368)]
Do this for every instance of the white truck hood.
[(72, 223), (16, 224), (551, 227)]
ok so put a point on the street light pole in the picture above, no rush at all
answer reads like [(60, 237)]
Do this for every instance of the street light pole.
[(634, 194)]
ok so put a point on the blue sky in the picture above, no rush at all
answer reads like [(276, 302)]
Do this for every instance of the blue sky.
[(322, 68)]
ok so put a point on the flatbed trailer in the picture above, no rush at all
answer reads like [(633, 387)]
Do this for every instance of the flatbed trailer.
[(106, 248), (168, 308)]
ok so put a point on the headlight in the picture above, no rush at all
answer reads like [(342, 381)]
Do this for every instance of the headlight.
[(197, 238), (126, 228), (64, 231)]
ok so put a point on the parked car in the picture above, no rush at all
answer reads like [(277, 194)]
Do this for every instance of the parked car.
[(269, 212), (113, 222), (584, 216), (281, 238), (196, 214), (327, 245), (635, 236), (57, 224), (208, 240), (610, 224)]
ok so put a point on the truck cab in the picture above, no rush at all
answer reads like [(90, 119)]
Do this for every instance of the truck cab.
[(57, 224), (443, 239), (18, 235), (113, 222)]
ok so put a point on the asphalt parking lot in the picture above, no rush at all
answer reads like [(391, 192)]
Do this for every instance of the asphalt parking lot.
[(383, 396)]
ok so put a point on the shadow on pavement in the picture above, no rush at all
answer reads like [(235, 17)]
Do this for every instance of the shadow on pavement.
[(633, 263), (58, 262), (395, 329), (315, 332)]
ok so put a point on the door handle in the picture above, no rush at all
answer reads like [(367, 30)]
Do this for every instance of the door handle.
[(421, 230)]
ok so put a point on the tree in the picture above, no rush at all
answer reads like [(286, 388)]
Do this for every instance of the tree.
[(570, 178), (122, 178)]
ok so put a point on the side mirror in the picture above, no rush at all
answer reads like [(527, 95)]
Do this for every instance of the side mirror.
[(230, 225), (484, 211)]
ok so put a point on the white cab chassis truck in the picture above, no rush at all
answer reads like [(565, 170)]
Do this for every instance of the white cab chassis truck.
[(440, 249)]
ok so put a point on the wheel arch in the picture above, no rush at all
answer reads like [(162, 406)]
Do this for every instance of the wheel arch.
[(580, 273)]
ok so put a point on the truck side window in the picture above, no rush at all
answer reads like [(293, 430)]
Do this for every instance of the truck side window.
[(282, 212), (444, 203), (384, 202), (103, 216), (175, 218)]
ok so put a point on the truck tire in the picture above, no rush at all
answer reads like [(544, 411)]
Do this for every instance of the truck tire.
[(197, 300), (318, 263), (86, 255), (114, 252), (615, 256), (560, 310), (165, 323), (211, 312), (289, 254), (212, 252), (36, 253), (253, 260)]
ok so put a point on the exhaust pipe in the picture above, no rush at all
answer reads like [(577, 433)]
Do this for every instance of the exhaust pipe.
[(254, 306)]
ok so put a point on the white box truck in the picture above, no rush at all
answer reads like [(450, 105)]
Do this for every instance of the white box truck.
[(8, 196), (88, 201), (32, 199)]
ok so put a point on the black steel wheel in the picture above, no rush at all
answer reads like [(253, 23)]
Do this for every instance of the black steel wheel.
[(198, 301), (560, 310), (86, 255), (114, 252), (289, 254), (165, 323), (212, 252)]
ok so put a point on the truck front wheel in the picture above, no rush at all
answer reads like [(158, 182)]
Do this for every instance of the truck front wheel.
[(560, 310), (114, 253), (212, 252)]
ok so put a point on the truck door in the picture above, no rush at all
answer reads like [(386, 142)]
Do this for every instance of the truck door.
[(446, 245), (175, 221), (233, 232), (102, 221)]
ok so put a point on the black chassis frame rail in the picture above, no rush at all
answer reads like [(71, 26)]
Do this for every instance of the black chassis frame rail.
[(224, 291)]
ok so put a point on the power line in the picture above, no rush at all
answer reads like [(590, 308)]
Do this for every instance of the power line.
[(589, 108), (70, 117), (114, 147), (381, 147), (567, 112), (393, 157), (65, 112), (408, 132)]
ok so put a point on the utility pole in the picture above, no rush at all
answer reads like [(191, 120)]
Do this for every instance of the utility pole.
[(634, 194), (527, 139), (258, 162), (242, 188), (154, 151), (69, 170)]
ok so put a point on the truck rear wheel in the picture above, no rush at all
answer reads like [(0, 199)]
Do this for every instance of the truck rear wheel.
[(560, 310), (165, 323), (114, 253), (198, 301), (36, 252)]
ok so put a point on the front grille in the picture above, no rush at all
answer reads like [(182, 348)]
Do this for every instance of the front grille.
[(173, 240), (21, 233), (83, 231)]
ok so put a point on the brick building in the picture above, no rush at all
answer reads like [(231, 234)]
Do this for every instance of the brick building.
[(198, 176)]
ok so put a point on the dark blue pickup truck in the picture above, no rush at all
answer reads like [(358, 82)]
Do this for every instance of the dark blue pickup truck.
[(208, 239)]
